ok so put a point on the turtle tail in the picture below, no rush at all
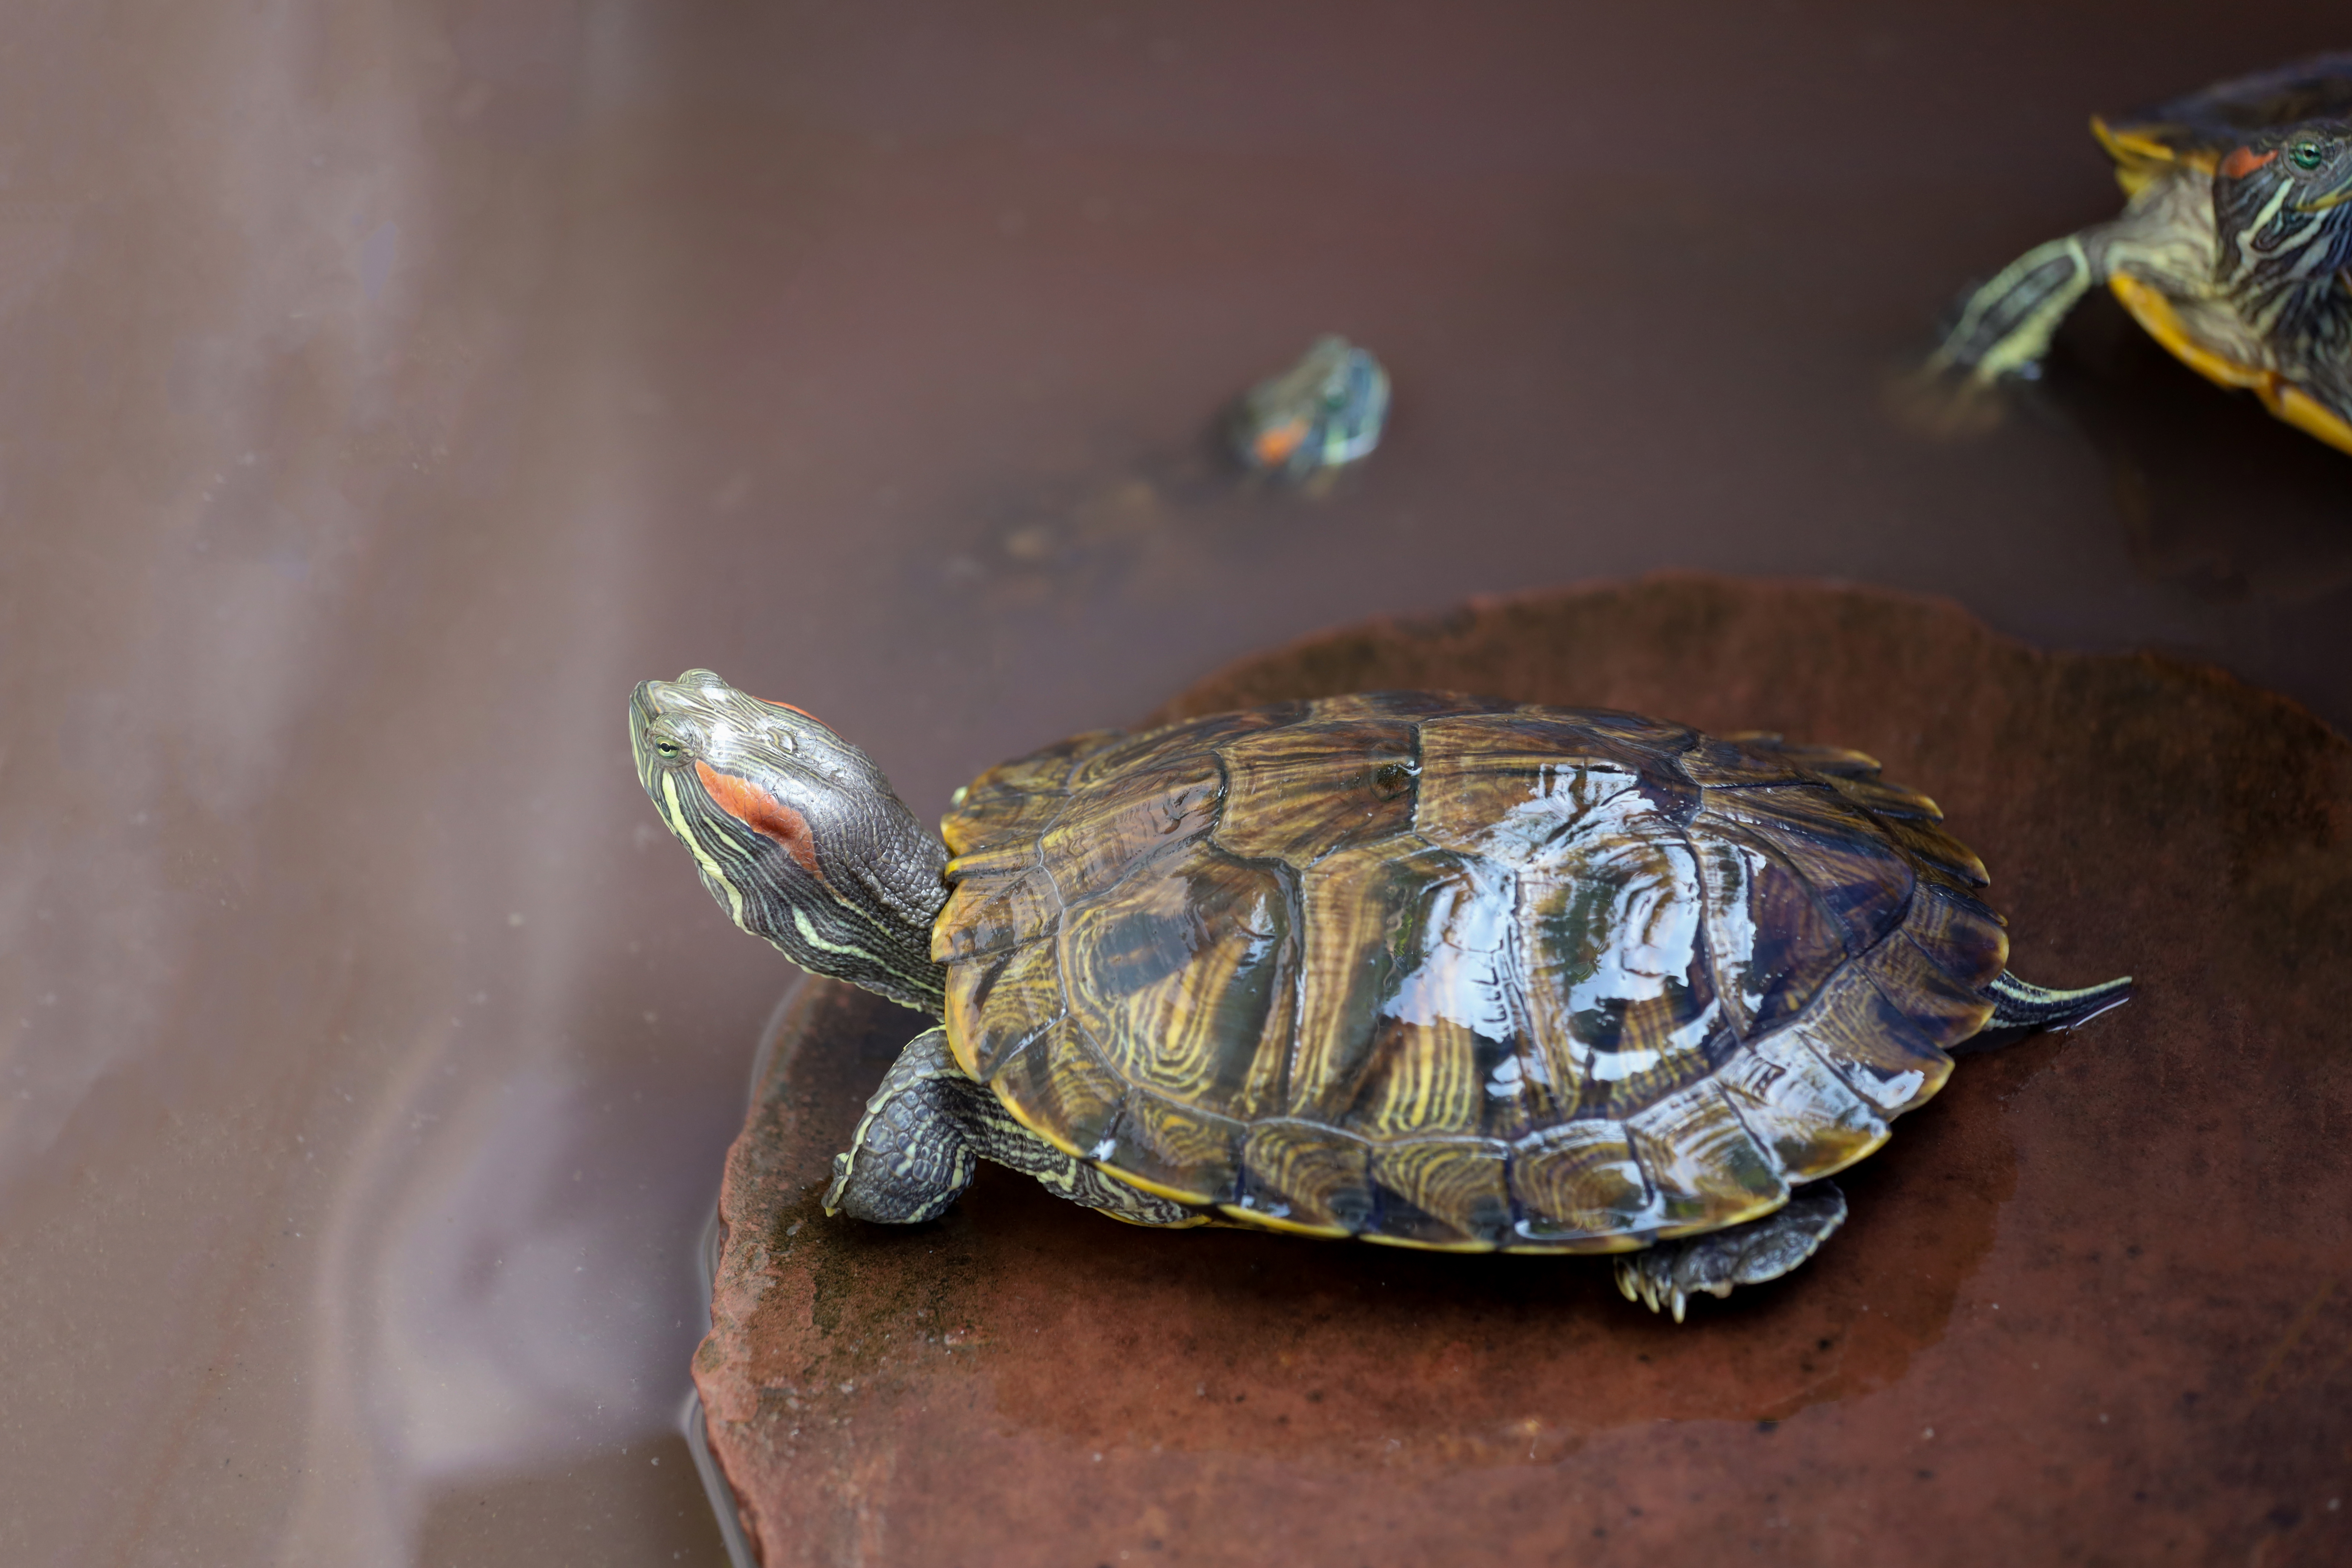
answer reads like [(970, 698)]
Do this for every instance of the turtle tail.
[(2017, 1005)]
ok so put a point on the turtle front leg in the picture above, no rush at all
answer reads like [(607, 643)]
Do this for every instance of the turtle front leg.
[(1671, 1272), (914, 1153), (2005, 327), (2163, 241)]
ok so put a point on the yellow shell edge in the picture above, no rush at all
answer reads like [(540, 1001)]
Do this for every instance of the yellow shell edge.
[(2156, 316), (2285, 400), (1288, 1226), (1157, 1189), (1413, 1246), (2300, 409)]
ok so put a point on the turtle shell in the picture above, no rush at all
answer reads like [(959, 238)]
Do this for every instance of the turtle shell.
[(2198, 128), (1453, 973)]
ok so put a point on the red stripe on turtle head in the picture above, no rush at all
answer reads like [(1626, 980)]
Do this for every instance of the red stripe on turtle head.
[(2244, 161), (762, 812), (789, 707)]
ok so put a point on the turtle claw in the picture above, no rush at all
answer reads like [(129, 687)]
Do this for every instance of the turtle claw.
[(1649, 1278), (1639, 1284), (1668, 1274)]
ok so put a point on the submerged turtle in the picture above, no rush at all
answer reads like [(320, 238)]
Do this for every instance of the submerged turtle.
[(1323, 413), (2231, 251), (1413, 967)]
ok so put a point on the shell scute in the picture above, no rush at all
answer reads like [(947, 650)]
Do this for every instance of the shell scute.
[(1881, 799), (1105, 833), (1708, 1170), (1619, 988), (1059, 1088), (1404, 989), (1947, 860), (1641, 738), (988, 915), (1045, 770), (1943, 1009), (1406, 705), (1771, 943), (1845, 858), (1797, 1108), (1578, 1187), (1001, 861), (1308, 1175), (1298, 793), (1448, 1193), (1599, 737), (999, 818), (998, 1007), (1871, 1044), (1512, 794), (1713, 764), (1959, 934), (1175, 976), (1447, 1020), (1131, 753), (1176, 1149), (1828, 762)]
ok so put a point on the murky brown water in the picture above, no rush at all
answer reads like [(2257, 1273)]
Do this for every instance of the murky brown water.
[(384, 388)]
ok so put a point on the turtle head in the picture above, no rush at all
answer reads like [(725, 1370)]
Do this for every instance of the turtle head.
[(2283, 204), (796, 833)]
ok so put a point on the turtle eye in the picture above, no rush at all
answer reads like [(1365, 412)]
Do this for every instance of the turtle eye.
[(2306, 153), (665, 749)]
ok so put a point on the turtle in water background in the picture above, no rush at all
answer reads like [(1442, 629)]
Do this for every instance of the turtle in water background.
[(1412, 967), (2231, 250), (1322, 413)]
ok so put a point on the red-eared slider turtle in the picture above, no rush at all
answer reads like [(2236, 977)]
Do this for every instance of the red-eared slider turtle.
[(1323, 413), (2231, 250), (1413, 967)]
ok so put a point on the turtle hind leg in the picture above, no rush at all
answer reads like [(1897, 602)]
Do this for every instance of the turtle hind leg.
[(1670, 1272), (2017, 1005), (924, 1130), (2005, 327)]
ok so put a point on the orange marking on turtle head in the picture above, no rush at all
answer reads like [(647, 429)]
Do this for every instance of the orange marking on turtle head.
[(762, 812), (2242, 162), (1275, 444), (790, 709)]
